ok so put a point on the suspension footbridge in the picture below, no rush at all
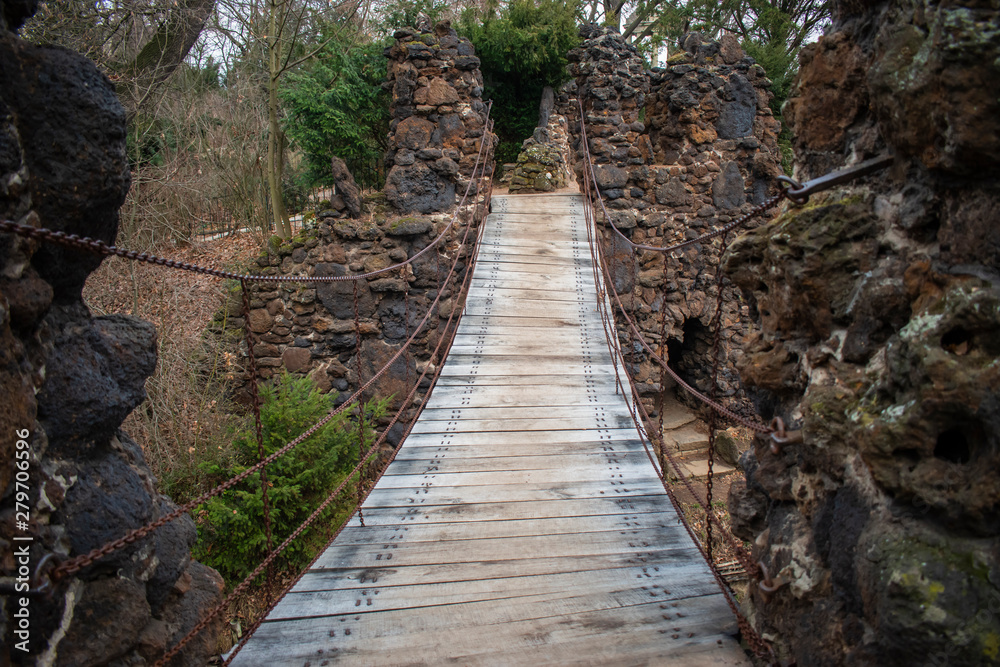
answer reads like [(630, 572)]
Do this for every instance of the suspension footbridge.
[(522, 521), (525, 520)]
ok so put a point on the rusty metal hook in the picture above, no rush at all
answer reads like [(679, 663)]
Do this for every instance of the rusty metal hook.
[(780, 436), (41, 574), (767, 585), (799, 193)]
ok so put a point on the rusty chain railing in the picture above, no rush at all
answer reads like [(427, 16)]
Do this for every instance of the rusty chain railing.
[(776, 431), (69, 567)]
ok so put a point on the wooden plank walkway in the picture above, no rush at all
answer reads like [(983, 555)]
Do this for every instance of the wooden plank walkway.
[(521, 522)]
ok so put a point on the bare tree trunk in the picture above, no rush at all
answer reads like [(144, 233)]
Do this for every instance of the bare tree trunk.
[(275, 140), (275, 165), (165, 51)]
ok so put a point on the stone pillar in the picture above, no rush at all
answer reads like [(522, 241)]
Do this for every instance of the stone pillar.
[(542, 163), (704, 153), (438, 118), (612, 81)]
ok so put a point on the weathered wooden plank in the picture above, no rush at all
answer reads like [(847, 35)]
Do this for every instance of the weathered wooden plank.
[(523, 262), (549, 337), (552, 424), (537, 307), (528, 293), (553, 211), (614, 475), (454, 448), (399, 591), (665, 523), (437, 446), (571, 260), (538, 441), (537, 240), (329, 579), (470, 320), (453, 462), (540, 413), (561, 299), (542, 287), (595, 352), (507, 510), (528, 272), (527, 492), (475, 396), (554, 281), (508, 366), (558, 380), (494, 266), (531, 242), (636, 543)]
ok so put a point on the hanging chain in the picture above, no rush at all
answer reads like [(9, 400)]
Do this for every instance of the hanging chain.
[(361, 401), (663, 353), (258, 426), (714, 390)]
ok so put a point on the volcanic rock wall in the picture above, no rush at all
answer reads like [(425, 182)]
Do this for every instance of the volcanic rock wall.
[(704, 153), (310, 329), (879, 307), (68, 380), (438, 118)]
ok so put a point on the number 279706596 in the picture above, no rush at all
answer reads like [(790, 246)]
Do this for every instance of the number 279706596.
[(22, 463)]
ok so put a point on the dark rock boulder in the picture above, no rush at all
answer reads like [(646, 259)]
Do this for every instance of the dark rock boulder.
[(413, 133), (739, 109), (97, 374), (410, 226), (106, 500), (338, 297), (673, 193), (347, 188), (75, 152), (728, 189), (608, 176), (417, 188), (97, 635)]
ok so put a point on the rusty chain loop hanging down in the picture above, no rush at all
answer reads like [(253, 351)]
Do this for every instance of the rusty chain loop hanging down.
[(716, 327)]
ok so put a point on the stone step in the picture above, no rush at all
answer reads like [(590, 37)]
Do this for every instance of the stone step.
[(688, 438), (675, 414), (698, 467)]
